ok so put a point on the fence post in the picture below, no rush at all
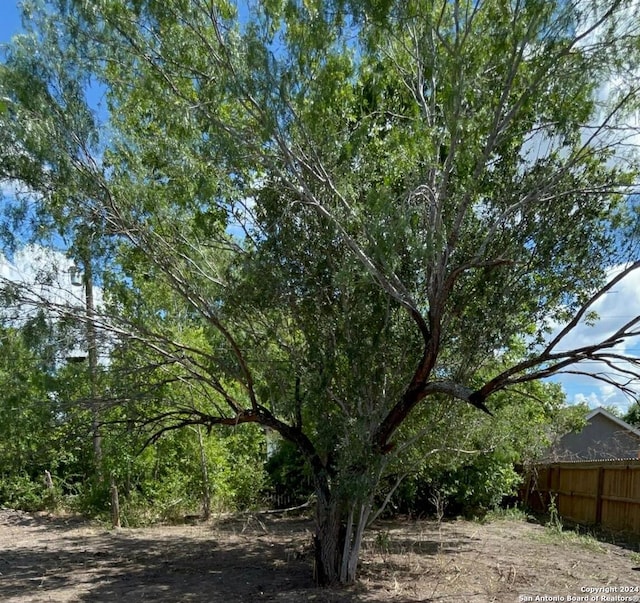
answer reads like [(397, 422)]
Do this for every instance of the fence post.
[(547, 502), (600, 486)]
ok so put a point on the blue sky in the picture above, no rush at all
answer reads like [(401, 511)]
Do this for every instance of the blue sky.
[(614, 309), (9, 20)]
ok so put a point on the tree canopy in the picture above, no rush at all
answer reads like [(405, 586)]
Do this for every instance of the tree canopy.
[(359, 209)]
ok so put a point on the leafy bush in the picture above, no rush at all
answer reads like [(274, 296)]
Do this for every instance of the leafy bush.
[(289, 480), (471, 489), (465, 462), (21, 492)]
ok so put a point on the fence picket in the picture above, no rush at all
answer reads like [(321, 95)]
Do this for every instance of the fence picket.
[(603, 493)]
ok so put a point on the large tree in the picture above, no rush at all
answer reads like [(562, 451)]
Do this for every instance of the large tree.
[(367, 206)]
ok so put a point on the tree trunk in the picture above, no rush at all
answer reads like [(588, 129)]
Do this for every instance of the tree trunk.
[(338, 538), (115, 504), (328, 541), (354, 542), (206, 489), (92, 349)]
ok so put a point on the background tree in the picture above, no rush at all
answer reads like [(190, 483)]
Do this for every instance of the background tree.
[(37, 427), (362, 205), (632, 416), (46, 405)]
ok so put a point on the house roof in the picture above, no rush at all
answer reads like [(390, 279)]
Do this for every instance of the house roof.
[(617, 420)]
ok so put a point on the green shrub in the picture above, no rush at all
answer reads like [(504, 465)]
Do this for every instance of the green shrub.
[(288, 475), (19, 491)]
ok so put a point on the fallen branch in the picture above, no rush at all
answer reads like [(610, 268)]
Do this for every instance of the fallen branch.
[(305, 505)]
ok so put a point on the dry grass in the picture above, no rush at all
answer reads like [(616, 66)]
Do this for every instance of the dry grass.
[(267, 559)]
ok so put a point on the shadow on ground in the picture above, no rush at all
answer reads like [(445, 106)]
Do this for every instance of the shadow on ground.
[(258, 558), (212, 563)]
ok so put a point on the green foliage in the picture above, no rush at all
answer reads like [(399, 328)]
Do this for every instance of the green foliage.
[(481, 485), (336, 220), (471, 487), (554, 524), (20, 491), (477, 464), (555, 532), (288, 474), (165, 481), (244, 455), (632, 416), (45, 426), (39, 430), (614, 410), (513, 513)]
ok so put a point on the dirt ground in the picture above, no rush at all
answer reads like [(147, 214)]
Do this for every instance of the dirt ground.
[(259, 558)]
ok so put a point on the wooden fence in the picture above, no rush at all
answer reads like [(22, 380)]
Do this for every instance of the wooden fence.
[(602, 493)]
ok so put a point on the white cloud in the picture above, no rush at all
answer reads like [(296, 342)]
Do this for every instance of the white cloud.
[(592, 400)]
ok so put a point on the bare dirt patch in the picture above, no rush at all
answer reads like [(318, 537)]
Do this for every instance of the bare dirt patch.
[(45, 558)]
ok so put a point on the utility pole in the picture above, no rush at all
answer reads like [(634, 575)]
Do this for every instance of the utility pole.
[(92, 354)]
